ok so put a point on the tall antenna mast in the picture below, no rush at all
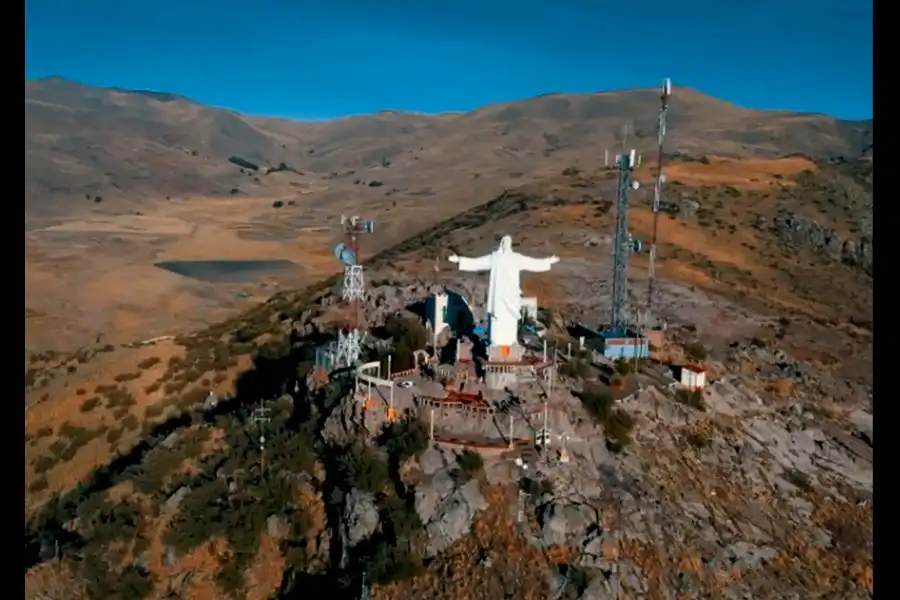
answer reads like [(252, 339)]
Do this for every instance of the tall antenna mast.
[(657, 192)]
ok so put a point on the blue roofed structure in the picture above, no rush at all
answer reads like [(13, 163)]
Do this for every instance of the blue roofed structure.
[(617, 343)]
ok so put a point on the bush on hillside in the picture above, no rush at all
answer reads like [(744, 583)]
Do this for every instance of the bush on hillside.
[(468, 465), (403, 439), (597, 401), (576, 369), (243, 163), (692, 398), (535, 488), (623, 367), (616, 423), (407, 331), (617, 428), (359, 466)]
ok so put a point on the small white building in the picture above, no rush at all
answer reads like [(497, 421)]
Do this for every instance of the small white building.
[(437, 315), (693, 377)]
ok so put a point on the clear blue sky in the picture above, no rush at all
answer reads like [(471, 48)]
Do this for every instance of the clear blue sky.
[(319, 59)]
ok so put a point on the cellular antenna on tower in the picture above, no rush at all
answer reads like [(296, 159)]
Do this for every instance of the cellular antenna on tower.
[(353, 290), (666, 92)]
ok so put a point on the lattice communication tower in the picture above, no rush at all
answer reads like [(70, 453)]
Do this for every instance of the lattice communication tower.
[(657, 194), (624, 244), (353, 290)]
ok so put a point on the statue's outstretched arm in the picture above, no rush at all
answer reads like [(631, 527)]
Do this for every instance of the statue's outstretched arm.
[(481, 263), (536, 265)]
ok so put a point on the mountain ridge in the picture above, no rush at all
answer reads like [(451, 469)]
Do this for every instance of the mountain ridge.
[(138, 146)]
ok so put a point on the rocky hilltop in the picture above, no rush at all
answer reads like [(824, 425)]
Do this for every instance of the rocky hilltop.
[(759, 486)]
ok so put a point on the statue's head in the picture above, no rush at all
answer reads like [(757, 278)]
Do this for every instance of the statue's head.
[(506, 243)]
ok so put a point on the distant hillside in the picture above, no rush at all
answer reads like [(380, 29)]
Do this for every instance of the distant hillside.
[(83, 142)]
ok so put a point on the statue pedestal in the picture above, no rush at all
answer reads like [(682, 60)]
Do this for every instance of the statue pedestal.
[(504, 354), (501, 370)]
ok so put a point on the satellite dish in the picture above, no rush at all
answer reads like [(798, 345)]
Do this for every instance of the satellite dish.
[(345, 254)]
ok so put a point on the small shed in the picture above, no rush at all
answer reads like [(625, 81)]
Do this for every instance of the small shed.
[(693, 377), (623, 344)]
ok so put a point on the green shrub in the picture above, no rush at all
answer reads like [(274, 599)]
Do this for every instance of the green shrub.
[(42, 464), (390, 563), (243, 163), (114, 435), (692, 398), (75, 433), (148, 363), (90, 404), (360, 466), (697, 440), (119, 398), (192, 398), (72, 439), (695, 351), (123, 377), (617, 424), (469, 464), (535, 488), (404, 438), (174, 387), (576, 369), (38, 485), (617, 427), (406, 331), (623, 367), (597, 401)]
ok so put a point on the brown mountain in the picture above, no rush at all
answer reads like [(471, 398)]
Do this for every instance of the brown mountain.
[(83, 141), (764, 272)]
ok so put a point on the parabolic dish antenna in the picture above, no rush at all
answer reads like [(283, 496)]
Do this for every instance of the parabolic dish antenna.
[(345, 254)]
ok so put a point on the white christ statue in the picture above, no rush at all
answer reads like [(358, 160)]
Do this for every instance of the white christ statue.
[(504, 303)]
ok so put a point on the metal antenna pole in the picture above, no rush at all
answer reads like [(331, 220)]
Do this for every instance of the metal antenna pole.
[(657, 192), (261, 418), (354, 295), (364, 592), (623, 245)]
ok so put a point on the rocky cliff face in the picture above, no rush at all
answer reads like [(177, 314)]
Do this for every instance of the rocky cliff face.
[(797, 230)]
